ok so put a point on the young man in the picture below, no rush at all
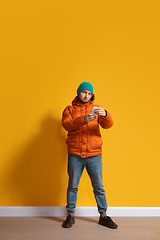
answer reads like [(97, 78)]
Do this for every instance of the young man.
[(84, 143)]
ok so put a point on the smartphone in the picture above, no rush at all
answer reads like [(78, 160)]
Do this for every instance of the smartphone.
[(93, 111)]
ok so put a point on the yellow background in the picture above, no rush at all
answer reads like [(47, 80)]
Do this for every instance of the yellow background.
[(46, 50)]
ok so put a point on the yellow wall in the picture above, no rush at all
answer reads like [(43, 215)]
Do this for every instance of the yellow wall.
[(46, 50)]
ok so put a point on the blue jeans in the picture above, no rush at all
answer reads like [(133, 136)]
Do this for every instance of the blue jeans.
[(93, 166)]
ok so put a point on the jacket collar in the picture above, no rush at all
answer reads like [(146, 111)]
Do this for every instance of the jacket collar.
[(77, 102)]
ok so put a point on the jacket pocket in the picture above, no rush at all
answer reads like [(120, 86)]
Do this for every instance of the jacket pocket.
[(72, 140), (95, 141)]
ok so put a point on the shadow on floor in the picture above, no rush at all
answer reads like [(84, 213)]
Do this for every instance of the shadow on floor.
[(61, 219), (89, 219), (57, 219)]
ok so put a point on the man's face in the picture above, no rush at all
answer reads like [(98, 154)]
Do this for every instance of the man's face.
[(85, 96)]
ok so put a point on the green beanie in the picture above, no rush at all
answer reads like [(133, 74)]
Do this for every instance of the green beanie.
[(85, 86)]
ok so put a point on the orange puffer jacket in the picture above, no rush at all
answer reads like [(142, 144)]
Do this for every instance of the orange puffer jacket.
[(84, 139)]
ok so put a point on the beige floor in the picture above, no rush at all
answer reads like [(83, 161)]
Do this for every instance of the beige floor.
[(132, 228)]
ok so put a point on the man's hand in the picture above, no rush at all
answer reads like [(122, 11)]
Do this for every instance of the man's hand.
[(89, 117), (100, 111)]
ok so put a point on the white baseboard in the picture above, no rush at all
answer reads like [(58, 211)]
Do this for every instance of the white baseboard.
[(80, 212)]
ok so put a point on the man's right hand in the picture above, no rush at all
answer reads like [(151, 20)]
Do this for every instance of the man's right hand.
[(88, 118)]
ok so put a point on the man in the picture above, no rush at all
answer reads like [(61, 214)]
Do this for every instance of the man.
[(84, 143)]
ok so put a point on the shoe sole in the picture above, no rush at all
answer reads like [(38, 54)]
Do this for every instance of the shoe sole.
[(108, 226)]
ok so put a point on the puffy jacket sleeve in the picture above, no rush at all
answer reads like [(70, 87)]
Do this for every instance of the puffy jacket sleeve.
[(105, 122), (69, 123)]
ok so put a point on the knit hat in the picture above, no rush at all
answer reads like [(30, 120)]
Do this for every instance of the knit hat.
[(85, 86)]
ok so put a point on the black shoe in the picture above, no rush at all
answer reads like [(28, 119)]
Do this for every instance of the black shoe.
[(68, 222), (107, 222)]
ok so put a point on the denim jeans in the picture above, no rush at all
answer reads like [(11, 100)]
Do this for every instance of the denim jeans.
[(93, 165)]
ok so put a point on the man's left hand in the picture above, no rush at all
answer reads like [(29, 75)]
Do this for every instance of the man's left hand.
[(100, 111)]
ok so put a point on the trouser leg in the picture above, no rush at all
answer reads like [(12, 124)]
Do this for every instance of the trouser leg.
[(75, 169), (94, 169)]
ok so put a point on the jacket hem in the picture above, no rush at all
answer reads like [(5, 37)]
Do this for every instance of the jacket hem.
[(85, 155)]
